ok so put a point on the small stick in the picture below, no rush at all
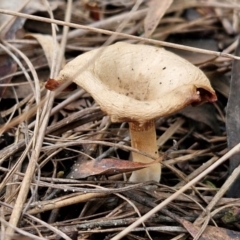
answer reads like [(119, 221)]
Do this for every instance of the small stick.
[(107, 32)]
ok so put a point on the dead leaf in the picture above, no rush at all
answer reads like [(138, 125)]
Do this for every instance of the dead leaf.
[(204, 114), (211, 233), (9, 24), (220, 82), (155, 13), (21, 87), (48, 45), (106, 166), (193, 57)]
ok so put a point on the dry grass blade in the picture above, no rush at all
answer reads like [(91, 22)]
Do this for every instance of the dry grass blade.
[(155, 12), (165, 44)]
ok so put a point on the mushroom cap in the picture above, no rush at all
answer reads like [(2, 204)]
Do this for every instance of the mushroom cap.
[(139, 83)]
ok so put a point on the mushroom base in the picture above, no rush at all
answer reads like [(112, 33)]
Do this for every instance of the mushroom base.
[(143, 138)]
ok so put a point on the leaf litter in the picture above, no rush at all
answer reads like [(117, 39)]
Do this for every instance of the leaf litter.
[(69, 134)]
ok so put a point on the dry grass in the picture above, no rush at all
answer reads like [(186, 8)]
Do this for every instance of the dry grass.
[(44, 133)]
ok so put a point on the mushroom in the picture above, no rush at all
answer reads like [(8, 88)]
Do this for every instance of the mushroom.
[(137, 84)]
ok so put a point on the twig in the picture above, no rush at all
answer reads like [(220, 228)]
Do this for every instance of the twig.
[(76, 198), (107, 32)]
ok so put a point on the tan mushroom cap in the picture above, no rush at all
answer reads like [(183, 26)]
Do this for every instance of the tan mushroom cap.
[(139, 82)]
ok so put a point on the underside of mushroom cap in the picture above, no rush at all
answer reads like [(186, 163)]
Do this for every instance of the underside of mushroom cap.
[(139, 82)]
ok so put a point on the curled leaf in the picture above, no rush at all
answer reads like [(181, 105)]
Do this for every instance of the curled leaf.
[(106, 166), (155, 13), (49, 46)]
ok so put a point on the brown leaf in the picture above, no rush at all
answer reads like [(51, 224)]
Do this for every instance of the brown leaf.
[(11, 24), (155, 13), (48, 45), (193, 57), (106, 166), (211, 233), (205, 114), (22, 88), (220, 82)]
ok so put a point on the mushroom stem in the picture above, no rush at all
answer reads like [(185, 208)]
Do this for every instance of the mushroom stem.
[(143, 138)]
